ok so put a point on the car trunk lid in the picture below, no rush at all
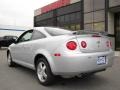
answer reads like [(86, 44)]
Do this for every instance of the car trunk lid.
[(93, 43)]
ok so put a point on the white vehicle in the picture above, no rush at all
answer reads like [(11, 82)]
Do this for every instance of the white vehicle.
[(54, 51)]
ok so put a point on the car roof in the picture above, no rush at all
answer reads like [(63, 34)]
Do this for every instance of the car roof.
[(42, 29)]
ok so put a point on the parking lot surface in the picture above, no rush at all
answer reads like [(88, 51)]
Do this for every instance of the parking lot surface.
[(20, 78)]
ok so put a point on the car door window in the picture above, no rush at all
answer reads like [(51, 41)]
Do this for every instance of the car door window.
[(26, 36), (37, 35)]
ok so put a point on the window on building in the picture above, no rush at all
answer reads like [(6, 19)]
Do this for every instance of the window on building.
[(60, 21), (88, 26), (78, 15), (99, 16), (77, 26), (72, 17), (72, 27), (67, 18), (100, 26), (88, 5), (99, 4), (69, 9), (66, 27), (88, 17)]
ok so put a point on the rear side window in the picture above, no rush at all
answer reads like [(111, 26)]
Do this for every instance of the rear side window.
[(37, 35)]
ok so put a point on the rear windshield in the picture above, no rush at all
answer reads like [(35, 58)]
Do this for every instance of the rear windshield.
[(57, 31)]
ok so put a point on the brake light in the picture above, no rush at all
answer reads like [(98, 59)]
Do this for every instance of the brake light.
[(71, 45), (83, 44)]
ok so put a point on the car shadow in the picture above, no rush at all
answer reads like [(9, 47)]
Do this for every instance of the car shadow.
[(91, 81)]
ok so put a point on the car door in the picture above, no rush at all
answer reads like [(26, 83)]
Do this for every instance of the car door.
[(22, 48)]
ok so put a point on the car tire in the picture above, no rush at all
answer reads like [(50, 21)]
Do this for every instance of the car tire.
[(44, 73), (9, 60)]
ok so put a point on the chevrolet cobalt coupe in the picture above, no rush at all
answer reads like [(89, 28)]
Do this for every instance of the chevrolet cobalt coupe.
[(58, 52)]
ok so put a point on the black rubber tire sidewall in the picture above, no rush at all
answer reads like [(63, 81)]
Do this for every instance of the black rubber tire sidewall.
[(12, 64), (50, 76)]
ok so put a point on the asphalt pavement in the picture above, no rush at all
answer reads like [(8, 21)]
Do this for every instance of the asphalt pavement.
[(20, 78)]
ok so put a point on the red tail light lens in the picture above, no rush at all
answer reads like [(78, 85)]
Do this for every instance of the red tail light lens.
[(71, 45), (83, 44)]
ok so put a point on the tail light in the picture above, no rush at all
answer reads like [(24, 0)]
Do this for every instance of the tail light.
[(71, 45), (83, 44)]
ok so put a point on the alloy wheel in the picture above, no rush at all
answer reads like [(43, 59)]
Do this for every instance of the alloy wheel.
[(41, 71)]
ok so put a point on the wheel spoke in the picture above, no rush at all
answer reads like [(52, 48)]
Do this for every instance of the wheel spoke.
[(40, 66), (42, 78), (42, 72), (44, 67), (45, 75)]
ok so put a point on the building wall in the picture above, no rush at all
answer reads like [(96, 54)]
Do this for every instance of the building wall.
[(113, 3), (96, 15), (74, 1), (111, 23), (93, 10), (90, 17), (113, 27), (69, 17), (53, 6)]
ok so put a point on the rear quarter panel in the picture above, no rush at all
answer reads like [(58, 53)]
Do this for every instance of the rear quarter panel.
[(48, 46)]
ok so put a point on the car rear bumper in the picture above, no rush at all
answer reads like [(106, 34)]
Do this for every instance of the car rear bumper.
[(75, 64)]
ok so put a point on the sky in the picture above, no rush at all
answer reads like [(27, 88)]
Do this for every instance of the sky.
[(20, 12)]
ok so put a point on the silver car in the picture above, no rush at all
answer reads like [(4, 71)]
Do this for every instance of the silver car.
[(59, 52)]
